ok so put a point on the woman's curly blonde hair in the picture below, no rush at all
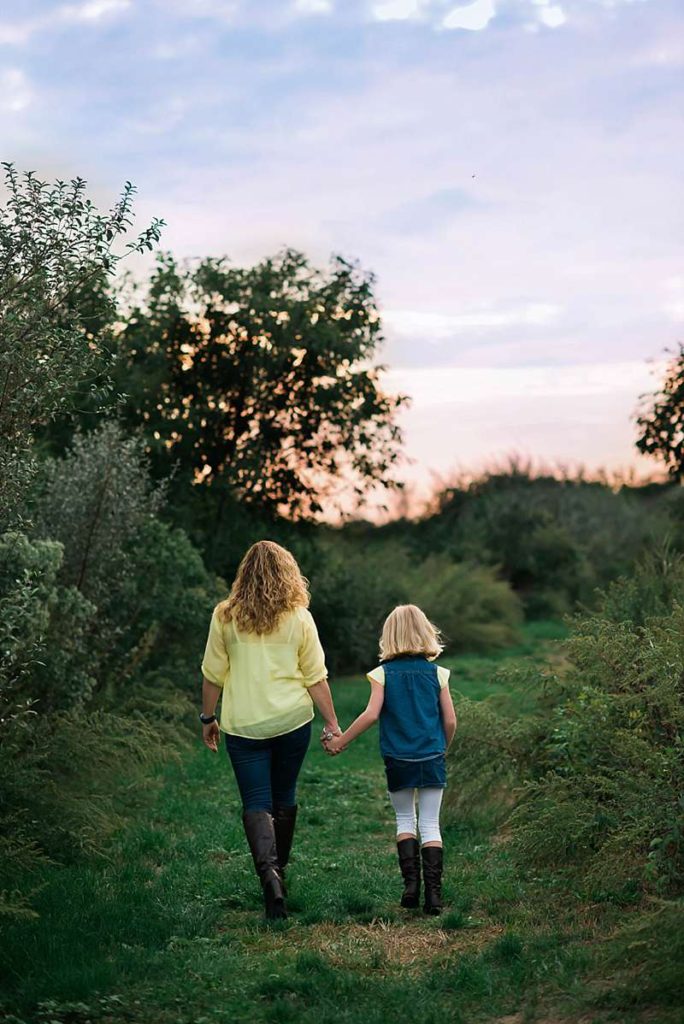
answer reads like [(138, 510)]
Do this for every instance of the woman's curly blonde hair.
[(268, 584)]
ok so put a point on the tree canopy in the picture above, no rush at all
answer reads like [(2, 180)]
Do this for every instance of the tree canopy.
[(261, 380), (56, 253)]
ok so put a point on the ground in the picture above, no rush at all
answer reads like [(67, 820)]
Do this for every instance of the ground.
[(168, 928)]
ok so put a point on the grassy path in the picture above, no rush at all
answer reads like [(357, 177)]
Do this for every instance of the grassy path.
[(169, 929)]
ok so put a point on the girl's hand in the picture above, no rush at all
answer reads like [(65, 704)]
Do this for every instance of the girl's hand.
[(210, 736)]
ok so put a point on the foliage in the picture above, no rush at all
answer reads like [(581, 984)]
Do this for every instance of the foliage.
[(53, 245), (555, 540), (355, 586), (260, 381), (94, 501), (598, 768), (44, 631), (475, 610), (161, 609), (661, 420), (151, 590), (353, 590)]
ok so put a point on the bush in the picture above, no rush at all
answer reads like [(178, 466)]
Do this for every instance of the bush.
[(94, 501), (597, 773), (353, 590), (162, 611), (354, 587), (152, 593), (475, 610), (555, 540), (77, 674), (44, 630)]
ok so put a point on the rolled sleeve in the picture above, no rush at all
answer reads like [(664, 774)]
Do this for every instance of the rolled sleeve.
[(311, 656), (215, 663)]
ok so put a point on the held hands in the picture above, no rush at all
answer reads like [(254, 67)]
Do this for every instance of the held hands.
[(334, 746), (330, 738)]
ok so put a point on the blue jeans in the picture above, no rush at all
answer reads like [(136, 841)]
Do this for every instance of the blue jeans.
[(266, 770)]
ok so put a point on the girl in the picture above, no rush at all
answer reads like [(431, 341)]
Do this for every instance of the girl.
[(410, 697), (264, 659)]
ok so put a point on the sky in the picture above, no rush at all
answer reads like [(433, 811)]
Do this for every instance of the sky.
[(510, 170)]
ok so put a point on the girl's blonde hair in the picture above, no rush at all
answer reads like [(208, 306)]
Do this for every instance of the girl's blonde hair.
[(268, 584), (408, 630)]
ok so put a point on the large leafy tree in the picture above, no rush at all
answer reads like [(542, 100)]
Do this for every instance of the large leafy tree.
[(57, 252), (262, 382), (661, 421)]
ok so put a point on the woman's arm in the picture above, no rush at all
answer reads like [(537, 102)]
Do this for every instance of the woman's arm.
[(364, 721), (322, 698), (448, 711), (210, 696)]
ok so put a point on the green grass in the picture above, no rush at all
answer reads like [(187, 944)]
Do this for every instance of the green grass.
[(168, 929)]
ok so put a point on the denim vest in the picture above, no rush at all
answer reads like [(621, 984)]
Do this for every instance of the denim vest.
[(411, 721)]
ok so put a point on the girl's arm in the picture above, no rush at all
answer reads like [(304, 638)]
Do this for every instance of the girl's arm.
[(364, 721), (322, 698), (446, 706)]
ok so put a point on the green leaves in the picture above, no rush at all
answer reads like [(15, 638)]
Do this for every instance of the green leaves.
[(57, 254), (261, 379)]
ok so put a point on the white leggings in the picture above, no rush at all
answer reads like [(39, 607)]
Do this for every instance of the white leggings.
[(429, 803)]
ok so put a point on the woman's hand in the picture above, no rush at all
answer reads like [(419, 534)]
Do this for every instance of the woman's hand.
[(210, 736)]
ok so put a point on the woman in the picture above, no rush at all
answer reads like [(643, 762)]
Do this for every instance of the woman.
[(264, 659)]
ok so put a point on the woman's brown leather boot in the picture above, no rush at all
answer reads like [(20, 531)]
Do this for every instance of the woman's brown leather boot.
[(284, 820), (260, 833)]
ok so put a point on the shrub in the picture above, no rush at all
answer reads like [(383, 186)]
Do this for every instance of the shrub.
[(354, 586), (151, 590), (475, 610), (353, 589), (44, 630), (597, 773), (94, 501), (555, 540)]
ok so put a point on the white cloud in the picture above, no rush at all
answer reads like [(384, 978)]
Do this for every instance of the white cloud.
[(438, 326), (467, 385), (552, 15), (397, 10), (313, 6), (473, 17), (15, 91), (93, 10), (20, 32), (15, 34)]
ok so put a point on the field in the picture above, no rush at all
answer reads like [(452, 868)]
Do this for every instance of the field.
[(168, 928)]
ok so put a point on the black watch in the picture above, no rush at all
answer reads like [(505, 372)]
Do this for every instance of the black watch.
[(206, 719)]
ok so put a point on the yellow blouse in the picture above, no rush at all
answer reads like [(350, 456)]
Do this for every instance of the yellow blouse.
[(265, 678)]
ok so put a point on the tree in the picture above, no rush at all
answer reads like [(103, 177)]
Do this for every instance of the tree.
[(661, 423), (54, 246), (260, 382)]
